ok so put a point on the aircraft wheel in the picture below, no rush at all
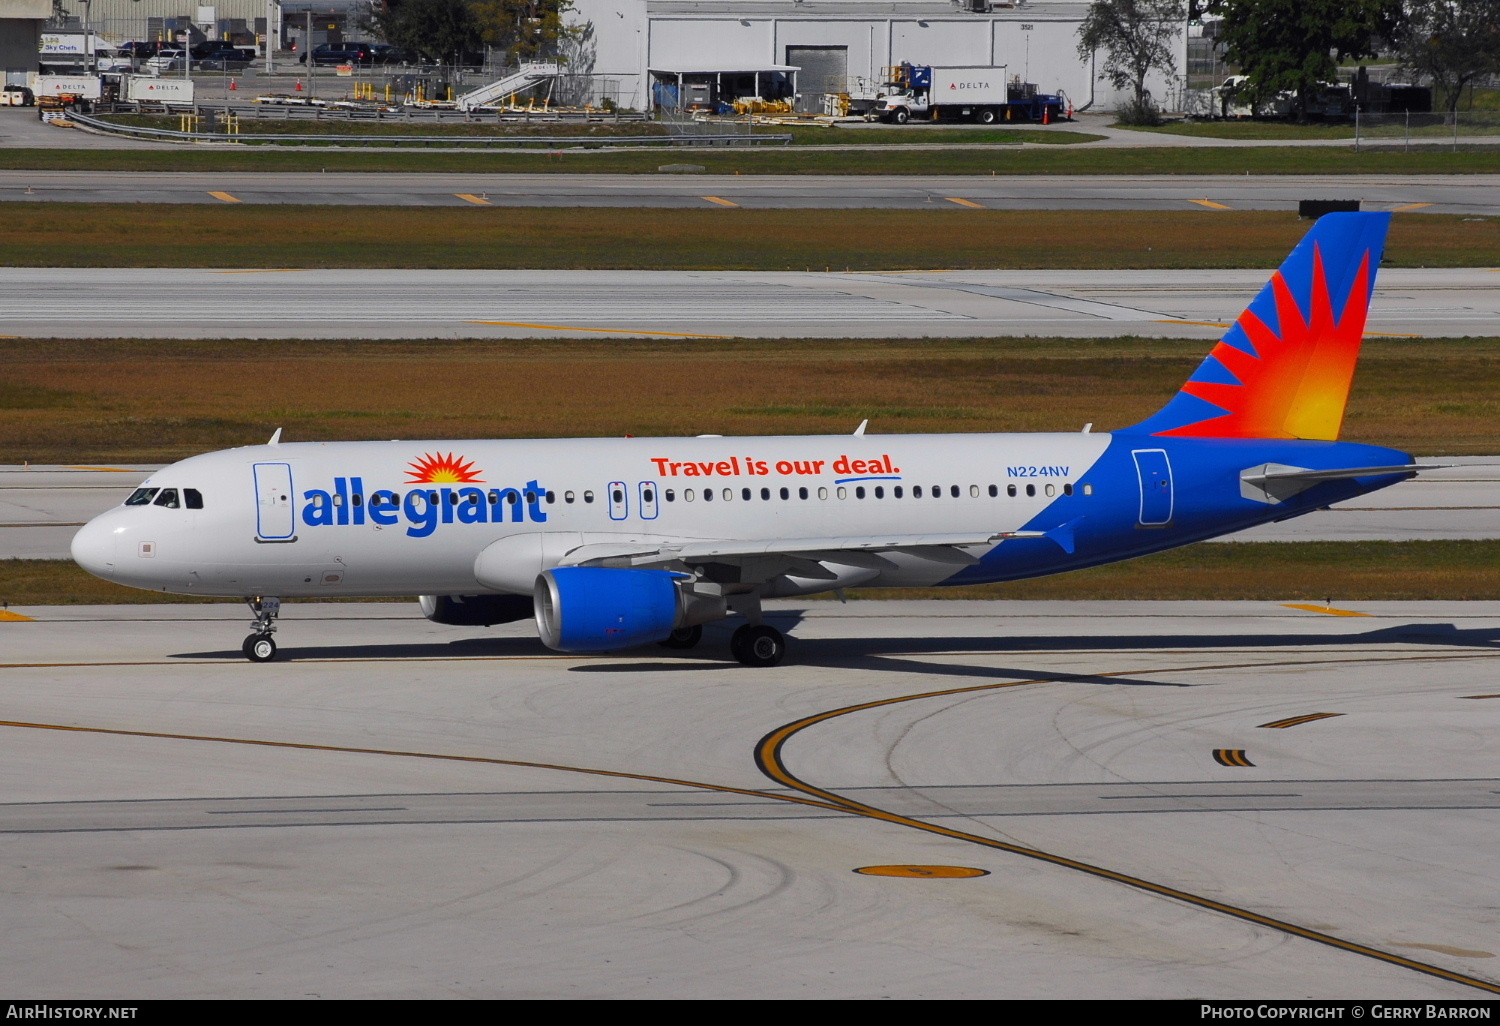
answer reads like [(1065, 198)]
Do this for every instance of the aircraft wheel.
[(758, 645), (987, 116), (259, 648), (683, 637)]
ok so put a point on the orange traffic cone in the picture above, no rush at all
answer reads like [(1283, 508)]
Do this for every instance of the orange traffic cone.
[(232, 86), (299, 85), (1046, 115), (1070, 110)]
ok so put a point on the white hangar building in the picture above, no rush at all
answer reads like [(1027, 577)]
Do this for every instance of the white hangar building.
[(640, 50)]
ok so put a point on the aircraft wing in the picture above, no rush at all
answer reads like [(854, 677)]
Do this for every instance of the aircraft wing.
[(802, 557)]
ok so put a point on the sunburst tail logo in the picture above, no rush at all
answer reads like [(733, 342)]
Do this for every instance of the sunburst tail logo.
[(439, 468), (1284, 369)]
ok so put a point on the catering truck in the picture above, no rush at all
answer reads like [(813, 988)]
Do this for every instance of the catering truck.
[(982, 94)]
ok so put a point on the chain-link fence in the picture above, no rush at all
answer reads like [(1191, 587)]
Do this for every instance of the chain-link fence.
[(1405, 130)]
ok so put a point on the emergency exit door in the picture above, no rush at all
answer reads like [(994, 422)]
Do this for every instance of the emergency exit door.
[(1155, 473)]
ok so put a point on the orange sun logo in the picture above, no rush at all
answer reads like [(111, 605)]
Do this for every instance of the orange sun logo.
[(436, 468)]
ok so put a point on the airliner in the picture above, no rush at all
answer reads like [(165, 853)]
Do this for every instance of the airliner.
[(612, 543)]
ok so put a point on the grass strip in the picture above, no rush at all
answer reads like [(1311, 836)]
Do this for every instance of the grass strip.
[(105, 401), (499, 237), (1344, 572), (784, 160)]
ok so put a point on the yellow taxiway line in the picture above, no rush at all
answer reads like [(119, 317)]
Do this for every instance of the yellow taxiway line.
[(1210, 204), (721, 201), (1410, 206), (1327, 610), (606, 331), (225, 197), (469, 197), (964, 203), (1201, 324)]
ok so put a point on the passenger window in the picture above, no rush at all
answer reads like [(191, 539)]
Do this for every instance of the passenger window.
[(973, 491), (896, 491), (937, 491), (671, 495), (765, 493), (801, 493), (616, 496), (1088, 489), (879, 492), (1010, 490), (953, 490), (729, 494), (567, 496), (1067, 489), (358, 499), (1031, 489), (916, 492), (588, 496), (843, 493), (142, 497), (994, 491), (745, 494), (859, 492), (1051, 490), (473, 500), (785, 494), (192, 498), (167, 498), (822, 493), (687, 495), (551, 498), (708, 495)]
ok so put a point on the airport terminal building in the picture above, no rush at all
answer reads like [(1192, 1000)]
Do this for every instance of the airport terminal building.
[(645, 53)]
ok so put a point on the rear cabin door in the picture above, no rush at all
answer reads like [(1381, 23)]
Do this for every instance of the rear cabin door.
[(1155, 475), (275, 512)]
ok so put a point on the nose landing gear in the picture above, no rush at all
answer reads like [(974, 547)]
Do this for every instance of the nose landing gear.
[(260, 647)]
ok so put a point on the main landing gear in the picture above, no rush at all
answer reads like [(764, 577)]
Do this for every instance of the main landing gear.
[(758, 644), (754, 644), (260, 647)]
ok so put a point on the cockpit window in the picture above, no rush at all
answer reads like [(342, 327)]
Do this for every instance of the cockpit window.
[(141, 497), (192, 498), (167, 498)]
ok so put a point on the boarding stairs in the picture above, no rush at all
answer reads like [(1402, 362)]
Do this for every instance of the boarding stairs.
[(528, 75)]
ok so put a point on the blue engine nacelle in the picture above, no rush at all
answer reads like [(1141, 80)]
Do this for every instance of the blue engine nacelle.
[(598, 609)]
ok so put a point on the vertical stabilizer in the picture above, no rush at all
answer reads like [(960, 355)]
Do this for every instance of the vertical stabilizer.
[(1284, 369)]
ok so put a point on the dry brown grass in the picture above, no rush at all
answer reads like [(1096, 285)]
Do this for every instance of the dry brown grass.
[(235, 235), (154, 401)]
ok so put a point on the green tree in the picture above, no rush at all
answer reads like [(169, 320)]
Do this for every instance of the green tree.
[(1451, 43), (525, 30), (1136, 38), (1295, 45), (439, 29)]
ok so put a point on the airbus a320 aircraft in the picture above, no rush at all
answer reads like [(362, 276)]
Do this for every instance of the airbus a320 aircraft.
[(613, 543)]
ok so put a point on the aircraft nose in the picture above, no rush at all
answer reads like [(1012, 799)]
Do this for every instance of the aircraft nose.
[(94, 547)]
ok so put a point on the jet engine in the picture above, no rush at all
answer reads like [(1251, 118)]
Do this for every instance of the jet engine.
[(475, 610), (599, 609)]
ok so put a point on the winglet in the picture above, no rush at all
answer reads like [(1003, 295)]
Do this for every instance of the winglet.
[(275, 438), (859, 432)]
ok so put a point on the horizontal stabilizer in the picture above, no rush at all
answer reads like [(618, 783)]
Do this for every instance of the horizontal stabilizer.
[(1274, 482)]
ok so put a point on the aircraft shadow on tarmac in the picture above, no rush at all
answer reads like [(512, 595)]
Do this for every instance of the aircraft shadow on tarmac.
[(874, 653)]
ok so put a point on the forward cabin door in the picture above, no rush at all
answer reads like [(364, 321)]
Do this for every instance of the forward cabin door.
[(1155, 474), (275, 512)]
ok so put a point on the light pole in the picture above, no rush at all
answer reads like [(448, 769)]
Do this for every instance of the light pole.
[(271, 34)]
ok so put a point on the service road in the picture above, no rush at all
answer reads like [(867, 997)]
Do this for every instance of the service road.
[(403, 809)]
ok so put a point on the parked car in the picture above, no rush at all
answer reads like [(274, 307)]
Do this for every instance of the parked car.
[(167, 60), (220, 53), (342, 53), (389, 53)]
